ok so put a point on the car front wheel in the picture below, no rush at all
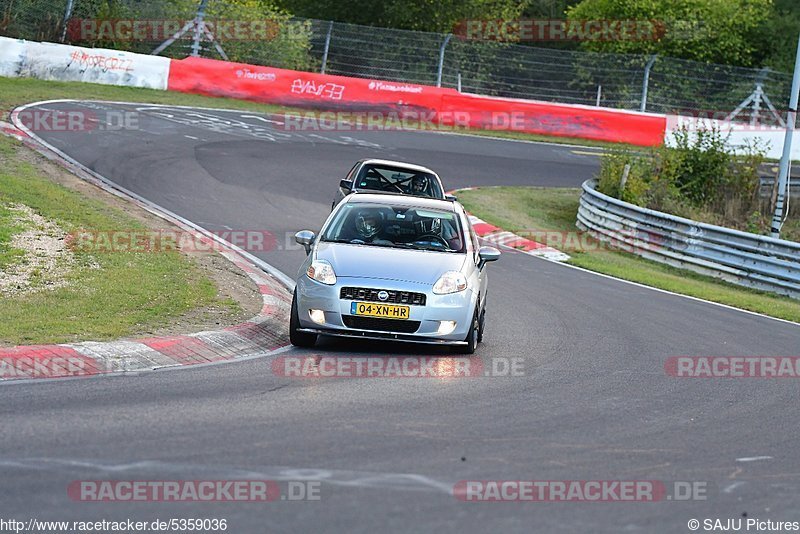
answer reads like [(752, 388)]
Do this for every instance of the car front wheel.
[(472, 337), (297, 338), (481, 326)]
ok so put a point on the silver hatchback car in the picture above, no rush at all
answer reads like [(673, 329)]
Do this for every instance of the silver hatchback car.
[(393, 267)]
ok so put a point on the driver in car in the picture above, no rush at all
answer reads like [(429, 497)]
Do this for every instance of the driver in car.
[(368, 226), (419, 186), (441, 231)]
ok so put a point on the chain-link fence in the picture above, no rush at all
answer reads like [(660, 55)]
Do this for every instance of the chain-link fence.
[(627, 81)]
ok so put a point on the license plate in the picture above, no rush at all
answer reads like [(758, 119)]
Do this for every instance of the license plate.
[(384, 311)]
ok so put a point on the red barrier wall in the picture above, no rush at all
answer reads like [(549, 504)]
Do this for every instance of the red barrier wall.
[(585, 122), (306, 89), (295, 88)]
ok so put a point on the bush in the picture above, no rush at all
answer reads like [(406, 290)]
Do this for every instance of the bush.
[(698, 178), (699, 163)]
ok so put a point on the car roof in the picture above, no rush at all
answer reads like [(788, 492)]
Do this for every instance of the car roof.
[(402, 200), (391, 163)]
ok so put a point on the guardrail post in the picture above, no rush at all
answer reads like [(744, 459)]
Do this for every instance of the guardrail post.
[(327, 47), (624, 180), (441, 59), (786, 158), (646, 82)]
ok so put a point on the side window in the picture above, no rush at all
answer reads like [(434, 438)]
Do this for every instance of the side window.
[(351, 175), (436, 187)]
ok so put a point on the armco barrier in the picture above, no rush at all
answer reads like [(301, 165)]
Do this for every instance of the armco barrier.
[(585, 122), (49, 61), (295, 88), (739, 257)]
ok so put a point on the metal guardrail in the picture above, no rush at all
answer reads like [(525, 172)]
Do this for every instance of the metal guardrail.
[(768, 182), (741, 258)]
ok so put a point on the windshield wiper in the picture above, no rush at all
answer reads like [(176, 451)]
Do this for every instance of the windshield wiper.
[(356, 241)]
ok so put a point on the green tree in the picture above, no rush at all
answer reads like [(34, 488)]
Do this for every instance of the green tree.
[(778, 35), (714, 31), (421, 15)]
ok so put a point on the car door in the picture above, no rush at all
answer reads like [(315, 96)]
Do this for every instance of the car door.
[(480, 272)]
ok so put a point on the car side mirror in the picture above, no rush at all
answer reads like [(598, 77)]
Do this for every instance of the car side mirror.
[(305, 238), (450, 197), (346, 184), (487, 254)]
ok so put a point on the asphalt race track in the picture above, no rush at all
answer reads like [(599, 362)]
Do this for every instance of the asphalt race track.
[(594, 403)]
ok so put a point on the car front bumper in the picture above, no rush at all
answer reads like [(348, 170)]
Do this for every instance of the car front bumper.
[(456, 307)]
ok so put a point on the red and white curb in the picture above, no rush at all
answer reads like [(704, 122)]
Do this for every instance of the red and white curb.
[(258, 336), (498, 236), (263, 333), (6, 128)]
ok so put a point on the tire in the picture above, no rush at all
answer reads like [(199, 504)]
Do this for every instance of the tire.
[(471, 339), (297, 338), (481, 326)]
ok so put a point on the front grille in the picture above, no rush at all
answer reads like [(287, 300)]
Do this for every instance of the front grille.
[(384, 325), (371, 295)]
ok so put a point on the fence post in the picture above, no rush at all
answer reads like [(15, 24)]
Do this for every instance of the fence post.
[(67, 15), (327, 47), (198, 28), (646, 82), (441, 59)]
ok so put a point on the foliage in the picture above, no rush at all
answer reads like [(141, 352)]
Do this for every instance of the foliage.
[(421, 15), (714, 31), (777, 36), (698, 177), (286, 43)]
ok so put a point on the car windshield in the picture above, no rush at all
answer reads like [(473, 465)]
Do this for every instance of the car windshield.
[(398, 180), (396, 226)]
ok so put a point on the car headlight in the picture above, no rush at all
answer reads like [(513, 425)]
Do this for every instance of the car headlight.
[(450, 282), (322, 272)]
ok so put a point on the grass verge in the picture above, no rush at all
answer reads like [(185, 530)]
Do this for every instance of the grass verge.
[(105, 295), (537, 209), (17, 91), (8, 228)]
